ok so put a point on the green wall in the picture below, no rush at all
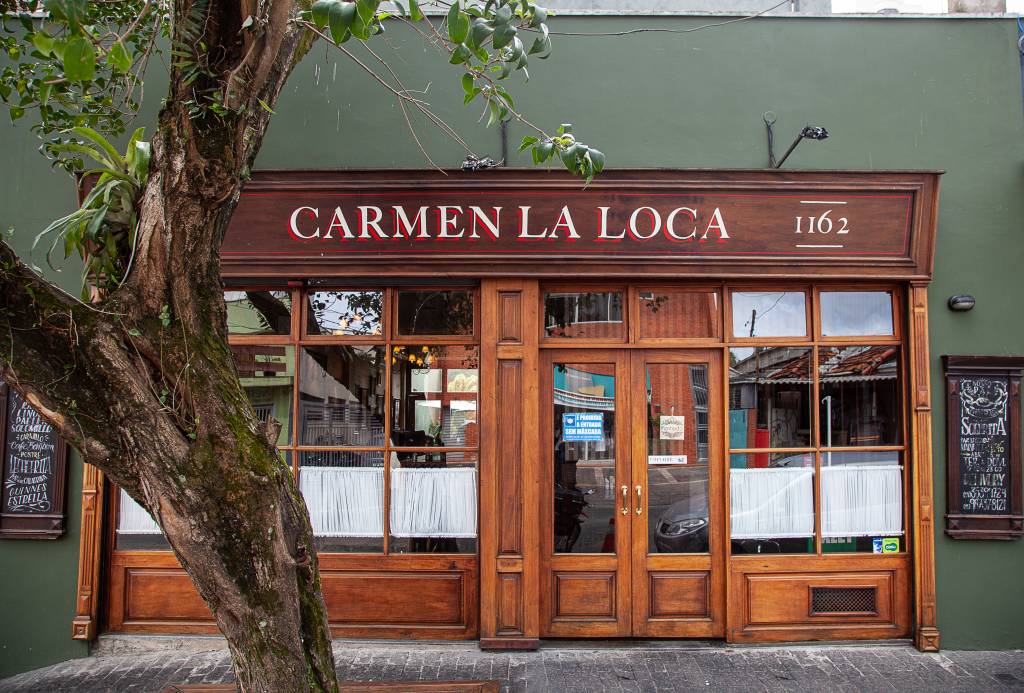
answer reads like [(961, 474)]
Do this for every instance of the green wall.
[(37, 592), (893, 93)]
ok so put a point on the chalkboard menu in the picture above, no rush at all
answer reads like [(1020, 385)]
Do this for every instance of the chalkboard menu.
[(34, 472), (983, 439)]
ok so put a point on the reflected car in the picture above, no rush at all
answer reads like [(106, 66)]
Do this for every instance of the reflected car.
[(683, 526)]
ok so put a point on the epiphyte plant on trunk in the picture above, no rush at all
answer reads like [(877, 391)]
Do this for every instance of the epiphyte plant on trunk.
[(154, 325)]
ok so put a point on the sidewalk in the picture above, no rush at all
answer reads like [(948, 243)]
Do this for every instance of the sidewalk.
[(572, 668)]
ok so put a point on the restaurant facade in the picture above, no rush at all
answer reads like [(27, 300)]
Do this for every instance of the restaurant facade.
[(677, 402)]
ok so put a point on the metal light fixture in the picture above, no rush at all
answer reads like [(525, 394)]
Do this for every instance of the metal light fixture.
[(961, 302), (810, 132)]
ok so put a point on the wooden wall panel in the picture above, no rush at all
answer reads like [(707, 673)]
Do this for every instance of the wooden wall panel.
[(771, 598), (87, 599), (510, 604), (430, 597), (590, 596), (509, 458), (680, 595), (510, 317)]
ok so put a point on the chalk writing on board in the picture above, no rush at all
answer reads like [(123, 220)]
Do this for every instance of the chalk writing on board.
[(984, 446), (28, 460)]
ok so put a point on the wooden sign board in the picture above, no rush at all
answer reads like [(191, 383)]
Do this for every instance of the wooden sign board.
[(34, 472), (983, 447), (532, 222)]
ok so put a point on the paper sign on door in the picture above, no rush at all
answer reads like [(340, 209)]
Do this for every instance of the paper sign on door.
[(666, 459), (673, 427)]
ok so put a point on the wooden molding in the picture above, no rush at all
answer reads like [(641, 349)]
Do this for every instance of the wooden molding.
[(90, 544), (509, 643), (925, 618)]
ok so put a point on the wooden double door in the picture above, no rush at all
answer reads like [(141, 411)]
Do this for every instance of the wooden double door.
[(633, 527)]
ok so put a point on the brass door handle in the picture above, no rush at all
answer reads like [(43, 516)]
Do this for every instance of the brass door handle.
[(639, 500), (625, 499)]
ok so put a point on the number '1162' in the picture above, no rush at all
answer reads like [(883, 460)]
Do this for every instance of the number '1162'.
[(823, 224)]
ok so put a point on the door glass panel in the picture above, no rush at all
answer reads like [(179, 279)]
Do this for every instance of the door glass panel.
[(676, 313), (677, 458), (585, 490)]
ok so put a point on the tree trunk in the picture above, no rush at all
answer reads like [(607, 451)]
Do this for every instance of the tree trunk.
[(159, 407)]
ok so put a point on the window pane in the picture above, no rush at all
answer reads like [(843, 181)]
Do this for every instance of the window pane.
[(266, 374), (348, 313), (677, 313), (770, 393), (435, 312), (344, 492), (677, 458), (433, 502), (341, 396), (772, 503), (434, 391), (259, 312), (859, 391), (585, 488), (861, 502), (589, 315), (848, 313), (768, 314)]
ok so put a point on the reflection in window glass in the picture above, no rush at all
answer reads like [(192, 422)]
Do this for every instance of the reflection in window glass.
[(434, 392), (772, 502), (668, 313), (348, 313), (433, 502), (768, 314), (259, 312), (585, 489), (677, 458), (859, 391), (341, 396), (435, 312), (592, 315), (770, 393), (266, 374), (851, 313), (345, 498), (861, 502)]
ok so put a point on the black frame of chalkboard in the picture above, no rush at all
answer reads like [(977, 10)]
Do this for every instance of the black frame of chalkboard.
[(35, 525), (979, 526)]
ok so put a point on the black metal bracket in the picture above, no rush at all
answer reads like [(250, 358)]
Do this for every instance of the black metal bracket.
[(810, 132)]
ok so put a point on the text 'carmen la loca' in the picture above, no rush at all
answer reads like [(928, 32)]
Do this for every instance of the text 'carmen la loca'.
[(454, 222)]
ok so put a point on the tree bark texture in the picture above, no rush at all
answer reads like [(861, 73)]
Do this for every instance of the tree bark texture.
[(159, 408)]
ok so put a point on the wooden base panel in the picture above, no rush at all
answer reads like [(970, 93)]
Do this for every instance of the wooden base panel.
[(509, 643)]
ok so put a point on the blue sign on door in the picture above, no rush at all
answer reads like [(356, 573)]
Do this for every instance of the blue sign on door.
[(587, 426)]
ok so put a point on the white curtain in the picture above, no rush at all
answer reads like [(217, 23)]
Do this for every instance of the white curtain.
[(776, 502), (861, 501), (344, 501), (433, 502), (132, 518)]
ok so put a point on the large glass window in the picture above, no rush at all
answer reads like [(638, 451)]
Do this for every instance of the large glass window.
[(436, 312), (770, 395), (852, 313), (769, 314), (348, 313), (584, 315), (259, 312)]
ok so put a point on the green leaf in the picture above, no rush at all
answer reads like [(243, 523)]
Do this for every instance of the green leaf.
[(79, 60), (16, 112), (597, 157), (43, 42), (494, 114), (367, 9), (503, 35), (527, 141), (134, 332), (265, 107), (118, 57), (458, 24), (467, 82), (340, 18), (471, 95), (71, 11), (401, 8), (478, 33), (460, 55), (564, 128), (503, 15), (415, 14), (321, 12), (540, 15), (541, 44)]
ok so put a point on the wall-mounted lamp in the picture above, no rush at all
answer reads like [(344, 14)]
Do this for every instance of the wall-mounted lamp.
[(811, 132), (961, 302)]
